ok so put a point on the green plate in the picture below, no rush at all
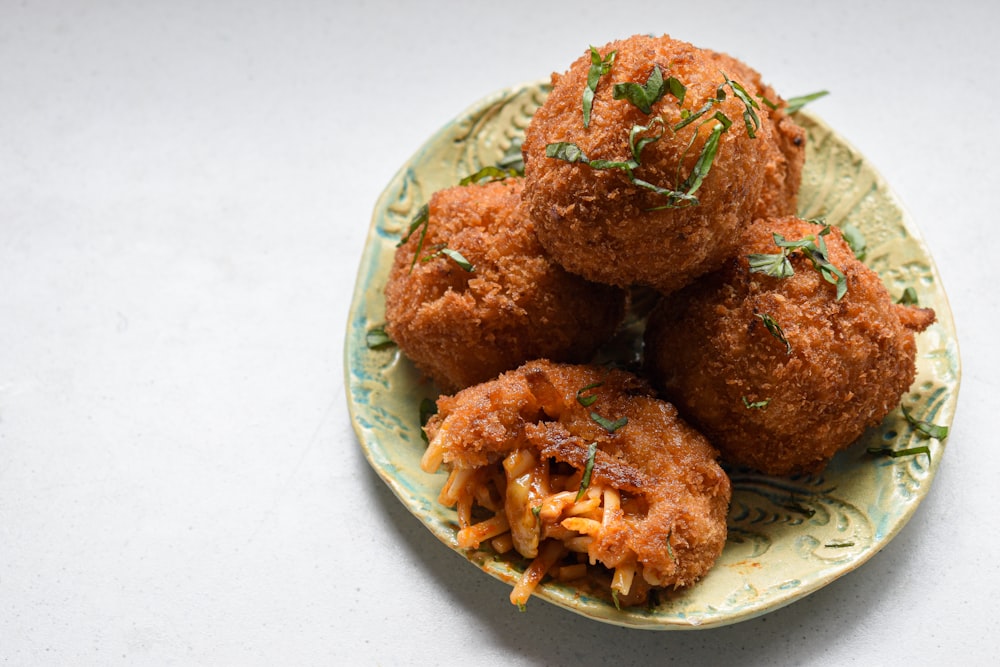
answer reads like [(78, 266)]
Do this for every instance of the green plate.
[(788, 537)]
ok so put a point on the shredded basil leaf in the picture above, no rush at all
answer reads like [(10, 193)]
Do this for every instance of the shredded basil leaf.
[(489, 174), (856, 240), (458, 258), (705, 159), (420, 221), (838, 545), (776, 265), (775, 330), (607, 424), (567, 151), (644, 96), (757, 405), (587, 401), (588, 470), (909, 297), (598, 68), (795, 103), (925, 428), (750, 118), (814, 248), (376, 338), (897, 453)]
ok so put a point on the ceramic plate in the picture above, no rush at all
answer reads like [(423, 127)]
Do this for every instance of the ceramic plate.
[(787, 536)]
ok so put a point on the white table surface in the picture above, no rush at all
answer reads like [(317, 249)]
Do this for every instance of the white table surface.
[(185, 190)]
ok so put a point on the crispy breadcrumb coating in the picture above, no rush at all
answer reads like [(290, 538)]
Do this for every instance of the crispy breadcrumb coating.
[(598, 222), (779, 407), (461, 327)]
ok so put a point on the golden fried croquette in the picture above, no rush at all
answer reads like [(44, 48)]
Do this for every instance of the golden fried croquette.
[(785, 151), (464, 326), (652, 508), (608, 223), (778, 372)]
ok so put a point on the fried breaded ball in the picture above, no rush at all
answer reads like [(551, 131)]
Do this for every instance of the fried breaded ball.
[(653, 506), (778, 372), (785, 151), (464, 326), (606, 223)]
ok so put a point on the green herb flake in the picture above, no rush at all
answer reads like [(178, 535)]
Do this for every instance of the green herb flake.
[(776, 265), (489, 174), (587, 401), (598, 67), (909, 297), (566, 151), (614, 598), (420, 221), (376, 338), (750, 118), (775, 330), (459, 259), (643, 96), (856, 240), (838, 545), (588, 470), (795, 103), (452, 254), (607, 424), (815, 250), (756, 405), (897, 453), (925, 428)]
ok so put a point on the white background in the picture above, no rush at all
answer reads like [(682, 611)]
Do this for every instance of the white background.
[(185, 190)]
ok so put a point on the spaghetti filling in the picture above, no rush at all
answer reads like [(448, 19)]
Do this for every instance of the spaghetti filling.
[(624, 503)]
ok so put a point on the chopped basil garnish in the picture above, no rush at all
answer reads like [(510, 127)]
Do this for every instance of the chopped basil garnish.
[(489, 174), (856, 240), (925, 428), (587, 401), (813, 247), (750, 118), (614, 598), (607, 424), (897, 453), (838, 545), (376, 338), (775, 330), (588, 470), (775, 265), (756, 405), (768, 103), (795, 103), (457, 257), (909, 297), (707, 156), (420, 221), (451, 254), (598, 68), (570, 152), (644, 96)]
